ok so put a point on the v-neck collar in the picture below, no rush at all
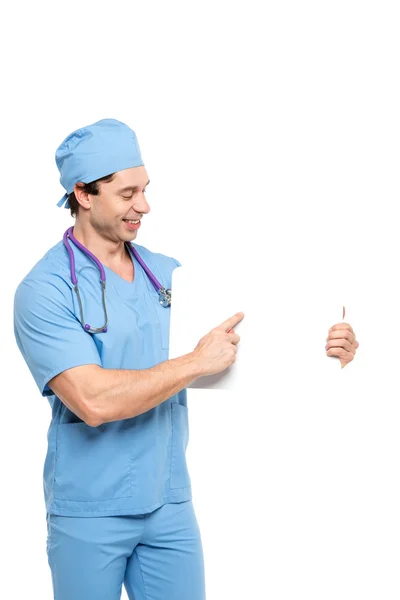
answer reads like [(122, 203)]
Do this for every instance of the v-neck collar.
[(130, 287)]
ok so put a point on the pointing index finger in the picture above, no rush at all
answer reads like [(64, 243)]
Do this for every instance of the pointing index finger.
[(231, 322)]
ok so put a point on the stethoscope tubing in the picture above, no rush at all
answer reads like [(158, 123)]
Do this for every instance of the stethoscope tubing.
[(164, 294)]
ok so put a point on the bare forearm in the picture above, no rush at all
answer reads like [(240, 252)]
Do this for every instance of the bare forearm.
[(121, 394)]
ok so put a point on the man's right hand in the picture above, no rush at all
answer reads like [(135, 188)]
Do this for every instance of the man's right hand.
[(217, 350)]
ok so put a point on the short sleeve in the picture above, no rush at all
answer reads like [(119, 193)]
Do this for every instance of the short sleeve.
[(49, 335)]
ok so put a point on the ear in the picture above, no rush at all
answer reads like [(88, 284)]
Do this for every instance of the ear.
[(81, 196)]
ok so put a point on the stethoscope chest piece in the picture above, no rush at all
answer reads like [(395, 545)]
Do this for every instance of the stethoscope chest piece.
[(164, 297)]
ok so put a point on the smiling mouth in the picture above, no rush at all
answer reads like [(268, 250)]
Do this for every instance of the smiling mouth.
[(130, 221)]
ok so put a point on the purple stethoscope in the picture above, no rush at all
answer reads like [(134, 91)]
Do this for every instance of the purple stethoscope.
[(163, 294)]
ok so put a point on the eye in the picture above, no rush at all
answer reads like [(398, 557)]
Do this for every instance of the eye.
[(131, 196)]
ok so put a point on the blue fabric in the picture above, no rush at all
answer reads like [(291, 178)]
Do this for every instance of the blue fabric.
[(95, 151), (157, 556), (125, 467)]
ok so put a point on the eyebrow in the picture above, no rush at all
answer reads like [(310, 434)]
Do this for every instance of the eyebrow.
[(133, 188)]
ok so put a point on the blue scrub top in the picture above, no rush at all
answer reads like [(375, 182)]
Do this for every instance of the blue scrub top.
[(126, 467)]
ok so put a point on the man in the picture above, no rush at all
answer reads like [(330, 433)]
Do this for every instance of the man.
[(92, 322)]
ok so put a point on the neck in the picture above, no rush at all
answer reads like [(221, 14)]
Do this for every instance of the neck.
[(108, 251)]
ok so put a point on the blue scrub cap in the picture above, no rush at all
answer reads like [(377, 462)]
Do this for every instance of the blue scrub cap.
[(95, 151)]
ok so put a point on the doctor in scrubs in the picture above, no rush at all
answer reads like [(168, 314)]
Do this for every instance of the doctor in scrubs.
[(91, 320)]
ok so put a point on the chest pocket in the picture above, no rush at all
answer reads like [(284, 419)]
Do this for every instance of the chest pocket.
[(162, 313), (163, 320)]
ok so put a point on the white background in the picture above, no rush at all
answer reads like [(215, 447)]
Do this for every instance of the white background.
[(270, 132)]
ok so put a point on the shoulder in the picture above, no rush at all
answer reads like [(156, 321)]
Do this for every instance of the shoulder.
[(49, 277), (157, 259)]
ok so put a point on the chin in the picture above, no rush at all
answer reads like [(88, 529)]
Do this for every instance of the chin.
[(130, 236), (127, 235)]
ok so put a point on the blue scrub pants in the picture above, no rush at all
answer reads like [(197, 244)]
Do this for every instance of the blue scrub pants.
[(157, 556)]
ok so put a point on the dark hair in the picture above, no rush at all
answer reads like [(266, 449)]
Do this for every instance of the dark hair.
[(89, 188)]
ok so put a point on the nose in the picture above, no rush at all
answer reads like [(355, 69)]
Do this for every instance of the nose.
[(141, 205)]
